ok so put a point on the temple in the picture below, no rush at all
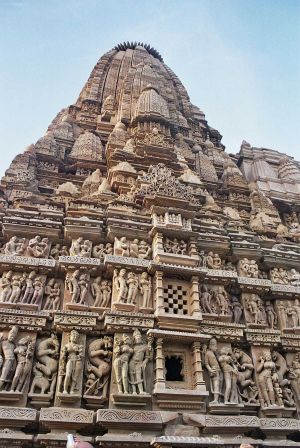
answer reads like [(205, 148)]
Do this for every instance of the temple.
[(150, 284)]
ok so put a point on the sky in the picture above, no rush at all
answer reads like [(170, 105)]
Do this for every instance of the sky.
[(238, 59)]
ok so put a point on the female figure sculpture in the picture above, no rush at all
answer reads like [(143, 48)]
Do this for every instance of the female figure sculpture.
[(138, 363), (123, 351), (265, 370), (145, 288), (72, 363)]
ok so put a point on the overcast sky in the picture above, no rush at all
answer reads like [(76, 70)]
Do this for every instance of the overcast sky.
[(238, 59)]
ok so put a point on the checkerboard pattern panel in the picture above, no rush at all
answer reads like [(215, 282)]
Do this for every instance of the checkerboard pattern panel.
[(175, 300)]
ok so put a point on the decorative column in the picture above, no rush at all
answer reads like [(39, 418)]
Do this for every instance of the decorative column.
[(160, 382), (194, 300), (159, 293), (197, 366)]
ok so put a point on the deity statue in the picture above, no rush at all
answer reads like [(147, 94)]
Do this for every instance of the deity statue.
[(71, 364), (24, 353), (146, 289), (8, 359), (133, 287), (294, 311), (137, 365), (98, 367), (84, 284), (255, 308), (45, 368), (214, 370)]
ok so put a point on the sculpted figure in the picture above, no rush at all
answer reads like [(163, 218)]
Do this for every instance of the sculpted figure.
[(106, 292), (29, 287), (52, 292), (254, 305), (76, 247), (6, 286), (16, 284), (81, 248), (265, 369), (24, 353), (38, 247), (294, 376), (212, 365), (245, 368), (97, 292), (144, 250), (123, 350), (98, 367), (237, 309), (279, 276), (134, 248), (271, 315), (247, 268), (38, 290), (84, 284), (7, 352), (72, 285), (222, 300), (15, 246), (212, 261), (45, 369), (294, 311), (133, 287), (230, 374), (101, 250), (146, 289), (294, 278), (282, 313), (55, 252), (71, 359), (121, 247), (205, 300), (138, 363), (120, 284)]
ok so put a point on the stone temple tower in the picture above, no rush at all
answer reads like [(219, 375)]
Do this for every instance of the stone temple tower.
[(149, 284)]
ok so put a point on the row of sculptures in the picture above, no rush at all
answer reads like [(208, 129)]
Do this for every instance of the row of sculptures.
[(77, 368), (40, 248), (235, 379), (31, 289), (50, 366)]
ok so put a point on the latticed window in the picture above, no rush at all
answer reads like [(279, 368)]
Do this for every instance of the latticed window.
[(175, 299)]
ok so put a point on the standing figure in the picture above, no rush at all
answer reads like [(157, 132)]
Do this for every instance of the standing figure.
[(106, 293), (84, 284), (24, 353), (138, 363), (7, 352), (230, 374), (38, 286), (72, 284), (222, 300), (16, 285), (29, 287), (6, 286), (133, 287), (271, 315), (72, 363), (205, 300), (145, 288), (52, 292), (214, 370), (120, 285), (265, 370), (97, 292), (237, 310), (123, 351)]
